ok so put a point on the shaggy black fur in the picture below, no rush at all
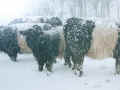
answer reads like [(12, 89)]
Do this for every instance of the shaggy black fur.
[(47, 27), (44, 27), (37, 27), (54, 21), (78, 36), (45, 47), (8, 42)]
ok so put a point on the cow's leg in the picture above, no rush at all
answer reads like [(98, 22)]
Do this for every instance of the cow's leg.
[(49, 63), (78, 64), (40, 67), (41, 63), (118, 65), (75, 63), (67, 57), (12, 56)]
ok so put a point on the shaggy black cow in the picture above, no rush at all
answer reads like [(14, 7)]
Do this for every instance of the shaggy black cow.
[(45, 45), (84, 37), (12, 42), (8, 42)]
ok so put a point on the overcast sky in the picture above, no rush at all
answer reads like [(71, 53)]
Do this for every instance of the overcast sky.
[(10, 9)]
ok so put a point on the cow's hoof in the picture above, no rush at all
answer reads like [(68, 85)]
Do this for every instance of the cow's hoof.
[(81, 73), (13, 59)]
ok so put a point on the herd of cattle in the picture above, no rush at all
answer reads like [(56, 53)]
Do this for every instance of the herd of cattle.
[(73, 40)]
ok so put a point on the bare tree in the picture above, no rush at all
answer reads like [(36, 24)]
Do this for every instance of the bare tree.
[(79, 8)]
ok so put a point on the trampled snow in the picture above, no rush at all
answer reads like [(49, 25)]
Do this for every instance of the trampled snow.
[(23, 75)]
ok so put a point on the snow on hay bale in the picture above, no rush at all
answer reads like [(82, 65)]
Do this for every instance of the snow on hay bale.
[(54, 21)]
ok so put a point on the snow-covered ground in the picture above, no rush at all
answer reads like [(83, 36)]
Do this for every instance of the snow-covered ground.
[(23, 75)]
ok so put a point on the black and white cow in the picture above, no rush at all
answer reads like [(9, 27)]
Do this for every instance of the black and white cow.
[(45, 45), (84, 37)]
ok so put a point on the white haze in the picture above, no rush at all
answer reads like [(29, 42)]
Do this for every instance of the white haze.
[(10, 9)]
